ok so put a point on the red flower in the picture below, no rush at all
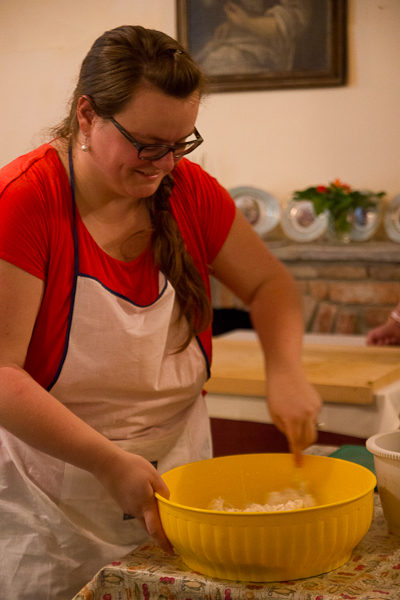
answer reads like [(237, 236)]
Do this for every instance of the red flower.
[(322, 189)]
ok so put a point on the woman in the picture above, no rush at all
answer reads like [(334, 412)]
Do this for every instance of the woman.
[(105, 317)]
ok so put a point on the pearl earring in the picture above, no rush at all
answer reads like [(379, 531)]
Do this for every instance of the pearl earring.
[(85, 147)]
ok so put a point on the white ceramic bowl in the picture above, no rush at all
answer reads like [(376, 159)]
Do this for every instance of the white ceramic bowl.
[(386, 450)]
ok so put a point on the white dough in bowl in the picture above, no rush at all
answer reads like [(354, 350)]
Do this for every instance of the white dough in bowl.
[(288, 499)]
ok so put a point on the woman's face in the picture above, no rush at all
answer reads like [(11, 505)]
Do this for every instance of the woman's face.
[(151, 117)]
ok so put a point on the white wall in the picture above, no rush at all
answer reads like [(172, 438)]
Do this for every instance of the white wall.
[(277, 140)]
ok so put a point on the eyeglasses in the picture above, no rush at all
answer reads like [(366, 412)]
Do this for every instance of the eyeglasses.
[(156, 151)]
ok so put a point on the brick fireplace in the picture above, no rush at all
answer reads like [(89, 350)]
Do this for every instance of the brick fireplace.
[(346, 289)]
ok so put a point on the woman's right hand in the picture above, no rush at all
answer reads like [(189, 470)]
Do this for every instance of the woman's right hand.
[(132, 482), (33, 415)]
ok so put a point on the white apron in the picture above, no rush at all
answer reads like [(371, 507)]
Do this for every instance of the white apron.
[(119, 373)]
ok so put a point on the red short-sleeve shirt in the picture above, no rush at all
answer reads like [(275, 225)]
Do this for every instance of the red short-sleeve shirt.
[(36, 234)]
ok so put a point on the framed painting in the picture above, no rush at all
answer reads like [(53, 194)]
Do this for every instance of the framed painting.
[(266, 44)]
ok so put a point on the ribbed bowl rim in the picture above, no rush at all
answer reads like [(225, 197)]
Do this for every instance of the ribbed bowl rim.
[(319, 507), (373, 447), (260, 513)]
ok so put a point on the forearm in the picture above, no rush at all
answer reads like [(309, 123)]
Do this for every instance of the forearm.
[(36, 417), (265, 285), (292, 402), (277, 316)]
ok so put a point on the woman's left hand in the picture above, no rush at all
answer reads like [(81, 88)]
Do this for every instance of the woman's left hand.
[(294, 406)]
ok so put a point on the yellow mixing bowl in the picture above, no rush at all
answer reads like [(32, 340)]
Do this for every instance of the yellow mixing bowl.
[(268, 546)]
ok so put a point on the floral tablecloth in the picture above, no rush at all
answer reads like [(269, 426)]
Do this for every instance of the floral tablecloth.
[(372, 573)]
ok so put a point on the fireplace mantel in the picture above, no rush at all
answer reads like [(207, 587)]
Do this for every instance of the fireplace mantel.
[(346, 289), (370, 251)]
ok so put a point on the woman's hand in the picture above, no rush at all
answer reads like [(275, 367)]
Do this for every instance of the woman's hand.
[(385, 335), (132, 482), (294, 405)]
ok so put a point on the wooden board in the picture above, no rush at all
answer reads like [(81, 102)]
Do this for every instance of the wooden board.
[(347, 374)]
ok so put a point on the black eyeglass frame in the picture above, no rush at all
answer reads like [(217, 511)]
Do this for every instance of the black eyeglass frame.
[(164, 148)]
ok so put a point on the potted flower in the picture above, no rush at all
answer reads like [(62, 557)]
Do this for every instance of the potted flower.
[(341, 202)]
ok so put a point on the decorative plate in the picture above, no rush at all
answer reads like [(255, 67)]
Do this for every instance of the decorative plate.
[(260, 209), (392, 219), (365, 223), (300, 223)]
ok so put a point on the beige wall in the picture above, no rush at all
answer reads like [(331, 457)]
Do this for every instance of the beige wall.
[(277, 140)]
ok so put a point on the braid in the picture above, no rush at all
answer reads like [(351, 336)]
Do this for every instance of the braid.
[(171, 256), (119, 62)]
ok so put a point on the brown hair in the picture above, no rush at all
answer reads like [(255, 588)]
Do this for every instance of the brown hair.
[(120, 61)]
